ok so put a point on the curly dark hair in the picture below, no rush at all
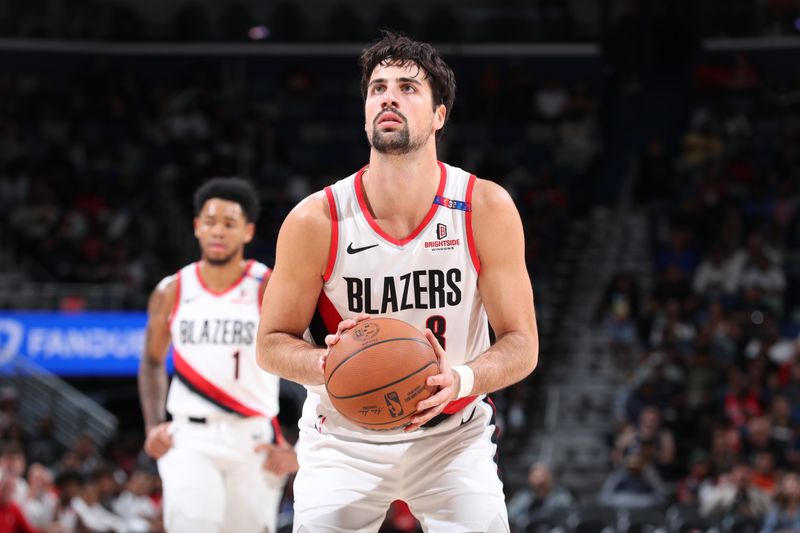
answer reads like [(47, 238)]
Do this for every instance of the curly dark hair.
[(236, 190), (398, 50)]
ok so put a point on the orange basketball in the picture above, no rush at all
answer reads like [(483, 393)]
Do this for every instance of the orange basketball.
[(375, 375)]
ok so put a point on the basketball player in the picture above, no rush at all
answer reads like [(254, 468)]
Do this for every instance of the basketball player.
[(425, 242), (223, 407)]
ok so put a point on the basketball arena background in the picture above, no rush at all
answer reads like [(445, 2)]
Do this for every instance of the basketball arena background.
[(653, 149)]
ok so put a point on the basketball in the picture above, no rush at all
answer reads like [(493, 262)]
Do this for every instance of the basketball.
[(375, 375)]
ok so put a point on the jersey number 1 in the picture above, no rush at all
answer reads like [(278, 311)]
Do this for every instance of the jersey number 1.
[(236, 365)]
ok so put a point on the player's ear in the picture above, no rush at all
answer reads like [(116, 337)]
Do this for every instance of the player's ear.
[(196, 223), (249, 231), (439, 116)]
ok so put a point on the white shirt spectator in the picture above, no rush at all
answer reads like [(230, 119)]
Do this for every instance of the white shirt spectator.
[(40, 511), (551, 100), (129, 505), (714, 276), (97, 518), (764, 275)]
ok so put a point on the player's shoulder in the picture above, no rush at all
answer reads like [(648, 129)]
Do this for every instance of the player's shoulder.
[(313, 211), (165, 294), (488, 195), (168, 284)]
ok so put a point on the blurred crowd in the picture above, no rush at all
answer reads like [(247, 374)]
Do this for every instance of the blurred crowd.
[(710, 417), (348, 21), (288, 21), (97, 168), (48, 488)]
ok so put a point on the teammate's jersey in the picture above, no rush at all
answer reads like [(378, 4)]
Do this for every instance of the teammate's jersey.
[(214, 348), (428, 279)]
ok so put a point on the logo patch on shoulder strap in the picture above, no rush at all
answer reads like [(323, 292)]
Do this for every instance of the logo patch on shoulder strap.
[(452, 204)]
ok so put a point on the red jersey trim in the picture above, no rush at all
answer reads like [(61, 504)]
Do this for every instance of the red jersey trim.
[(330, 316), (333, 251), (208, 390), (225, 291), (362, 202), (177, 303), (277, 434), (473, 252)]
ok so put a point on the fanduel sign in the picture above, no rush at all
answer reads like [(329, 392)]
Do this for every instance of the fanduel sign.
[(75, 344)]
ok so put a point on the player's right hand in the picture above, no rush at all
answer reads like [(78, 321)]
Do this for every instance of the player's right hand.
[(332, 339), (158, 441)]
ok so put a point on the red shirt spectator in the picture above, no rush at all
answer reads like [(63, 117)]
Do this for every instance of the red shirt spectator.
[(11, 518), (741, 402)]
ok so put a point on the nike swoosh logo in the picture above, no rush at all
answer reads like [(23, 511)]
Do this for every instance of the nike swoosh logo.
[(351, 250)]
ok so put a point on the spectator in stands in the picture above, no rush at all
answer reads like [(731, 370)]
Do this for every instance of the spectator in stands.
[(40, 503), (93, 516), (765, 477), (86, 454), (760, 274), (781, 421), (551, 100), (635, 485), (658, 382), (540, 501), (701, 144), (702, 380), (725, 444), (688, 488), (757, 438), (619, 312), (784, 513), (715, 277), (734, 495), (741, 400), (672, 329), (136, 500), (107, 487), (648, 431), (69, 484), (721, 333), (12, 518), (13, 463), (678, 252), (755, 248)]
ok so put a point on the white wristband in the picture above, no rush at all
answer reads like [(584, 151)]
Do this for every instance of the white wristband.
[(467, 380)]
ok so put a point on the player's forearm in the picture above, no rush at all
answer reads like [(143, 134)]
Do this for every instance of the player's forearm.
[(508, 361), (290, 357), (152, 392)]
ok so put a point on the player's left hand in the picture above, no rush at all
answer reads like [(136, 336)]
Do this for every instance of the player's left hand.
[(447, 381), (333, 338), (280, 458)]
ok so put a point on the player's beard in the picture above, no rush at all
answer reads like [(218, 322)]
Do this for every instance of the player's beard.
[(221, 261), (394, 142)]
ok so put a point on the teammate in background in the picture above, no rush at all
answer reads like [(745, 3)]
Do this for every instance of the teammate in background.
[(422, 241), (211, 455)]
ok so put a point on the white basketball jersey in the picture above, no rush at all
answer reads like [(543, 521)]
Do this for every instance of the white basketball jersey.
[(214, 348), (428, 279)]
